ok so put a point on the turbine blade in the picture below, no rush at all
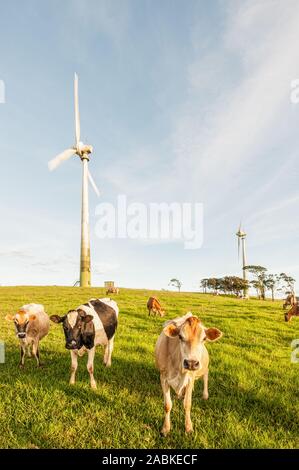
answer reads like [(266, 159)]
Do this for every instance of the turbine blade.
[(77, 114), (93, 184), (53, 164)]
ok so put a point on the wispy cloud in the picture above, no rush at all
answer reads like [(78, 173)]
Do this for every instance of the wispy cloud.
[(215, 142), (279, 206), (98, 20), (16, 253), (105, 268)]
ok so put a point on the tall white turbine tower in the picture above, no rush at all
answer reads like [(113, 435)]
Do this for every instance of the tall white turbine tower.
[(83, 151), (242, 239)]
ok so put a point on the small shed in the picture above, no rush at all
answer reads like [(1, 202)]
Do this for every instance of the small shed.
[(108, 284)]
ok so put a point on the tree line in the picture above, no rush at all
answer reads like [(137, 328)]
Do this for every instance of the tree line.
[(261, 281)]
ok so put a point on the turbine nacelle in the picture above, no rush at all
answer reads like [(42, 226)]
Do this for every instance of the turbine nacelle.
[(241, 234), (83, 149), (241, 237)]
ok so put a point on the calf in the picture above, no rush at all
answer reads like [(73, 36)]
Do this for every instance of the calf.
[(89, 325), (112, 290), (182, 358), (31, 325), (290, 300), (154, 306), (293, 312)]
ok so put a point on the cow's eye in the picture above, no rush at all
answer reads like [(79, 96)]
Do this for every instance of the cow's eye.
[(181, 338)]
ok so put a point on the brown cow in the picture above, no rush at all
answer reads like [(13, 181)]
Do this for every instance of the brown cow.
[(112, 290), (31, 325), (182, 358), (290, 300), (154, 306), (294, 312)]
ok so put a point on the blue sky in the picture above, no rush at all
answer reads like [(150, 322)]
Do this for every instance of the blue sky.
[(182, 101)]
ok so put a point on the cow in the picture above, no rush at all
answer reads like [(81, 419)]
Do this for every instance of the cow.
[(182, 358), (112, 290), (293, 312), (31, 325), (290, 300), (89, 325), (154, 306)]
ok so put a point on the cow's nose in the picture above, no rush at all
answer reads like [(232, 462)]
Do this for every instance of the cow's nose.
[(21, 335), (190, 364)]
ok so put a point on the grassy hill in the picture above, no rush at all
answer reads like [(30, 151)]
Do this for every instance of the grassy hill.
[(254, 387)]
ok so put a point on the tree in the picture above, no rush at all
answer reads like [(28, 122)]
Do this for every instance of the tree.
[(214, 284), (272, 283), (175, 283), (288, 283), (256, 286), (228, 284), (204, 285), (260, 279), (234, 285)]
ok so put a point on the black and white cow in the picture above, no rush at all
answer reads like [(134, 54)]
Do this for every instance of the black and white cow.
[(89, 325)]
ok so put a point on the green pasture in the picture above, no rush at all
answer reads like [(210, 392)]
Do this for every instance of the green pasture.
[(254, 386)]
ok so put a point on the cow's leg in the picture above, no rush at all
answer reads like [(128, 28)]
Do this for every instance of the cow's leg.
[(187, 406), (35, 353), (22, 356), (29, 350), (90, 361), (205, 394), (167, 405), (74, 365), (108, 352)]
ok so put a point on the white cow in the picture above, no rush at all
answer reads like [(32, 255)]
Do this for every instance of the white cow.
[(89, 325)]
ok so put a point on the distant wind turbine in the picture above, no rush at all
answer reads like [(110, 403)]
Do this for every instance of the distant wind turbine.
[(242, 240), (83, 151)]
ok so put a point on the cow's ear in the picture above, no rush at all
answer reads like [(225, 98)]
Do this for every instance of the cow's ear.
[(87, 318), (56, 318), (9, 318), (212, 334), (32, 317), (171, 330)]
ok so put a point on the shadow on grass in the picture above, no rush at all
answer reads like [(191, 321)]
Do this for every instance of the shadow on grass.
[(141, 378)]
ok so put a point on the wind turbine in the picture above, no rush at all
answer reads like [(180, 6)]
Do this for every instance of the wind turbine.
[(242, 240), (83, 151)]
